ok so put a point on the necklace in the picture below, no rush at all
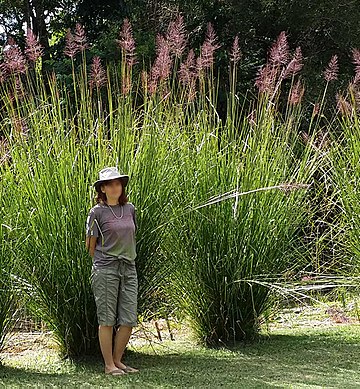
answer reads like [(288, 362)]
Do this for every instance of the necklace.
[(117, 217)]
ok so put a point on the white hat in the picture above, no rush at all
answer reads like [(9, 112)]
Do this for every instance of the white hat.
[(110, 173)]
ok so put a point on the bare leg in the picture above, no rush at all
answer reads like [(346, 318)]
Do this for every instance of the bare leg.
[(105, 339), (121, 340)]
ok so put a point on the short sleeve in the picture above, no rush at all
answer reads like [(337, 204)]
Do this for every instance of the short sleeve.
[(134, 215), (92, 225)]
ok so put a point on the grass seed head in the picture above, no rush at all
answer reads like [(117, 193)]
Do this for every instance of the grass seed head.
[(332, 70), (33, 49)]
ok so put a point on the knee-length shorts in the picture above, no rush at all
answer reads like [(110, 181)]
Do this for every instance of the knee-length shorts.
[(115, 289)]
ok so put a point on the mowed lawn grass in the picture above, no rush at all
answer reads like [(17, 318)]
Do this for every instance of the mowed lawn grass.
[(299, 357)]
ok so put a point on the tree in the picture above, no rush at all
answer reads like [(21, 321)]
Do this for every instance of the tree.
[(321, 27)]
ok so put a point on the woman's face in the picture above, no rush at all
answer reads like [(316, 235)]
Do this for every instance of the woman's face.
[(112, 189)]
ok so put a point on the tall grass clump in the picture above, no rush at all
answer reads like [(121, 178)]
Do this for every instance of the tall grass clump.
[(58, 141), (203, 242), (245, 207), (228, 246), (49, 168), (345, 157)]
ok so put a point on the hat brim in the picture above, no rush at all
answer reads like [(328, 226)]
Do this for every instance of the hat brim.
[(98, 183)]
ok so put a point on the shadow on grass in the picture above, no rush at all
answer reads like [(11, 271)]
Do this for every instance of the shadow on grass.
[(322, 359)]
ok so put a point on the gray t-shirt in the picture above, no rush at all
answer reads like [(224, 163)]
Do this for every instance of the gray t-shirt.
[(115, 235)]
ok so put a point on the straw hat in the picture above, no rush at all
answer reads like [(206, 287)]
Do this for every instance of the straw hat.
[(110, 173)]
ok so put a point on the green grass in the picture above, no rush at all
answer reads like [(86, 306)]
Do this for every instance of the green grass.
[(297, 357)]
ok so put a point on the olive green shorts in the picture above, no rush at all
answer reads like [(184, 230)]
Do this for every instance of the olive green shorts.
[(115, 289)]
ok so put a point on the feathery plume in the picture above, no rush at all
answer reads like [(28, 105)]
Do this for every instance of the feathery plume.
[(296, 93), (33, 49), (356, 61), (80, 37), (176, 36), (164, 62), (187, 71), (211, 36), (71, 47), (332, 70), (97, 74), (266, 78), (161, 68), (235, 53), (206, 58), (160, 43), (295, 65), (279, 51), (208, 48), (14, 60), (127, 43), (162, 65), (188, 75)]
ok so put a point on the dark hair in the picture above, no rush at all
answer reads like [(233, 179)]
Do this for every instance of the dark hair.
[(101, 197)]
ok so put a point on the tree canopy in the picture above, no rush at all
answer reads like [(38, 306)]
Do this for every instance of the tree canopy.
[(322, 27)]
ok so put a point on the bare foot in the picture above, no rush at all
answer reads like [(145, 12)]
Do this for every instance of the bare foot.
[(114, 370), (125, 368)]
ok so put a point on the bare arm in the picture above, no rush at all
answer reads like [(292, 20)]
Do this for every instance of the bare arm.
[(90, 244)]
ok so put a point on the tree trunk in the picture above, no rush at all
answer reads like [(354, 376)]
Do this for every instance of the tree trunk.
[(39, 25), (27, 13)]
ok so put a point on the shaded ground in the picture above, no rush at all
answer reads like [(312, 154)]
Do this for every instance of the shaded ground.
[(311, 352)]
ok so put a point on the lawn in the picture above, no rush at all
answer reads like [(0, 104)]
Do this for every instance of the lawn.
[(290, 356)]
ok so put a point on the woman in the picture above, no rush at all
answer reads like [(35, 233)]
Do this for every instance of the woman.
[(110, 239)]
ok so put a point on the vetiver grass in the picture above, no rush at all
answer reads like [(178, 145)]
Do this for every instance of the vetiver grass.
[(345, 161), (225, 251), (54, 160), (52, 200), (211, 262)]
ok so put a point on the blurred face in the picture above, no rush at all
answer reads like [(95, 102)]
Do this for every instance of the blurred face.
[(112, 189)]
